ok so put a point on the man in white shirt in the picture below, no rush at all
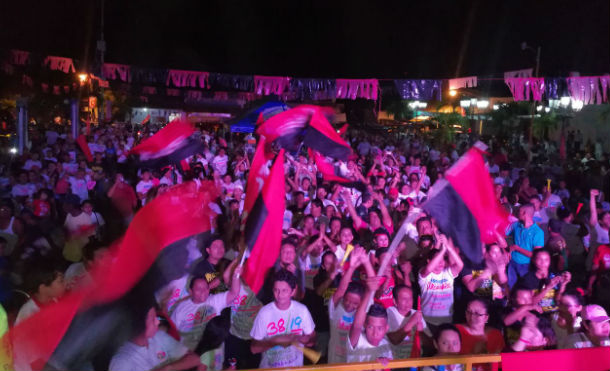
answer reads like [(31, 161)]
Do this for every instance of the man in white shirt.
[(153, 349), (404, 322), (596, 324), (144, 186), (193, 314), (221, 161), (281, 324)]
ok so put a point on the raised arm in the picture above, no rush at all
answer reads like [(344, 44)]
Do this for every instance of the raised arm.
[(235, 285), (372, 284), (593, 207), (355, 262), (347, 197), (455, 262), (434, 262)]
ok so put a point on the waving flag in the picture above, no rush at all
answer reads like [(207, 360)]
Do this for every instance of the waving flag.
[(84, 146), (257, 175), (331, 172), (263, 236), (68, 334), (323, 138), (169, 145), (465, 207)]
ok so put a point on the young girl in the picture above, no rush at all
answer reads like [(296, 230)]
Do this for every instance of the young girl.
[(567, 320), (447, 341)]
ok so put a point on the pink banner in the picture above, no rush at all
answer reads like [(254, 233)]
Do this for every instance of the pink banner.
[(66, 89), (520, 87), (361, 88), (605, 81), (463, 82), (45, 87), (110, 71), (519, 73), (173, 92), (267, 85), (587, 89), (56, 90), (20, 57), (7, 68), (65, 65), (221, 95), (192, 79)]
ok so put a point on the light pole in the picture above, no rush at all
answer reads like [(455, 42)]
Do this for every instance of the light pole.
[(524, 46)]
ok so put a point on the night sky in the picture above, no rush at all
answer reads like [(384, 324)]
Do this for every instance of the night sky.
[(308, 38)]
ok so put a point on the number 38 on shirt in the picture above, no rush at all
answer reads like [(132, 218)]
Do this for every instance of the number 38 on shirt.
[(279, 327)]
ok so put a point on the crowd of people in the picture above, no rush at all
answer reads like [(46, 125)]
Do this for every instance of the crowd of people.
[(542, 285)]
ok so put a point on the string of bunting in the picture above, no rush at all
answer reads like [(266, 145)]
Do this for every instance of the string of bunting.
[(171, 82)]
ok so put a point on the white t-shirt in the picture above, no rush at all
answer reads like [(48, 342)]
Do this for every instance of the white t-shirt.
[(602, 235), (29, 164), (143, 187), (26, 310), (20, 190), (367, 352), (191, 318), (397, 321), (79, 188), (340, 323), (437, 296), (271, 321), (162, 349), (172, 292), (220, 164), (76, 276), (244, 309)]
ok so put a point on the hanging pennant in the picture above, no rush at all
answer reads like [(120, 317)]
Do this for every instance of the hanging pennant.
[(361, 88), (267, 85), (605, 82), (419, 89), (173, 92), (113, 71), (194, 95), (148, 76), (313, 89), (221, 95), (192, 79), (65, 65), (56, 90), (463, 82), (520, 87), (519, 73), (66, 89), (45, 87), (224, 82), (587, 89), (7, 68), (555, 87), (19, 57)]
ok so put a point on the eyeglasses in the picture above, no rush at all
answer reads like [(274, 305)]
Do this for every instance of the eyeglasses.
[(476, 314)]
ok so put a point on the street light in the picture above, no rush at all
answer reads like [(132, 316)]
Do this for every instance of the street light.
[(465, 103), (577, 105), (82, 77), (564, 101), (452, 92), (482, 104)]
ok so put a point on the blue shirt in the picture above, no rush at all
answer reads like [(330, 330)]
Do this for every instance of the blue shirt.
[(525, 238)]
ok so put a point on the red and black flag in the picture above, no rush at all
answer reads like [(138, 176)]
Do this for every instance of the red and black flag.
[(332, 173), (263, 234), (322, 137), (168, 146), (98, 318), (258, 173), (465, 207), (84, 146)]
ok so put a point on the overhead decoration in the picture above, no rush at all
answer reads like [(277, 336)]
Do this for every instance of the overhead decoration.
[(555, 87), (7, 68), (419, 89), (148, 76), (521, 87), (313, 89), (149, 90), (113, 71), (173, 92), (360, 88), (27, 80), (65, 65), (223, 81), (194, 95), (191, 79), (267, 85), (19, 57), (519, 73), (463, 82), (588, 89)]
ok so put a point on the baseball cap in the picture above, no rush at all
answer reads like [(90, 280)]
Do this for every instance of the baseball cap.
[(595, 313)]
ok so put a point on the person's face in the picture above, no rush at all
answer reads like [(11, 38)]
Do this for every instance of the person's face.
[(329, 261), (448, 342), (200, 291), (569, 304), (306, 183), (425, 228), (598, 330), (536, 202), (494, 253), (282, 293), (287, 254), (152, 323), (237, 193), (351, 301), (227, 179), (335, 226), (374, 220), (476, 315), (88, 208), (23, 178), (321, 192), (300, 198), (380, 182), (145, 176), (404, 300), (542, 261), (413, 179), (523, 297), (316, 210), (346, 236), (605, 222), (562, 184), (308, 223), (57, 288), (382, 240), (375, 329), (80, 174), (216, 250)]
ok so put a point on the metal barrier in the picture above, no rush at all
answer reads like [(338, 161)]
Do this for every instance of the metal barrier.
[(466, 360)]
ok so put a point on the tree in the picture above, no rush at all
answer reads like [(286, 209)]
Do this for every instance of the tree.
[(446, 126), (544, 124)]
